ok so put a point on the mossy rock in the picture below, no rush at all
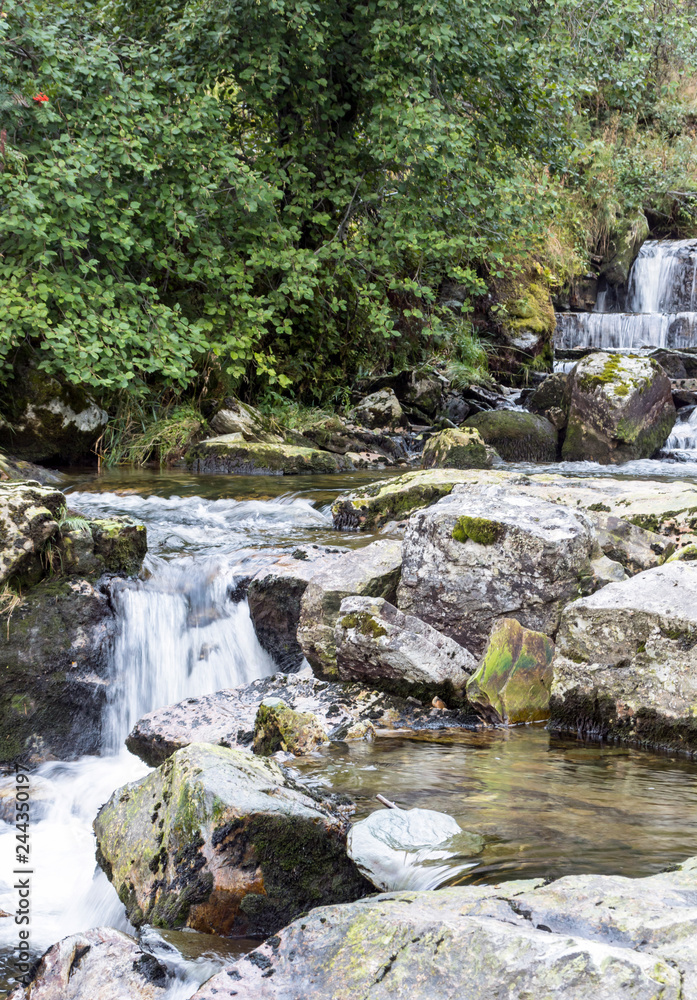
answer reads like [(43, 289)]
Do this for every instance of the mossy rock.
[(120, 543), (530, 316), (230, 454), (279, 727), (626, 239), (516, 435), (455, 448)]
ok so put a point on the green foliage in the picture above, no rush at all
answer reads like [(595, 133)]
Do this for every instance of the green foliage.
[(141, 432)]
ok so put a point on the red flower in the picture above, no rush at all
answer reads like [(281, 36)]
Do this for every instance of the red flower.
[(41, 98)]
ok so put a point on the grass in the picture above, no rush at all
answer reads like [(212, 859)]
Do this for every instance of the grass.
[(143, 432), (9, 602)]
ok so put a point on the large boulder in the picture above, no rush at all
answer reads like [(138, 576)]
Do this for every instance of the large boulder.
[(47, 419), (230, 454), (228, 718), (621, 409), (99, 964), (512, 683), (626, 660), (236, 417), (29, 516), (372, 571), (486, 553), (379, 644), (380, 409), (274, 596), (516, 435), (583, 937), (456, 448), (223, 842)]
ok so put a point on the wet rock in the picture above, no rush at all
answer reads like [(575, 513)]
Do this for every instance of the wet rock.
[(46, 419), (529, 316), (456, 409), (579, 938), (239, 418), (99, 964), (377, 643), (513, 681), (402, 848), (120, 543), (29, 516), (485, 553), (54, 671), (230, 454), (275, 595), (672, 363), (372, 571), (621, 409), (380, 409), (223, 842), (226, 718), (279, 727), (457, 449), (626, 661), (624, 244), (516, 435), (551, 400)]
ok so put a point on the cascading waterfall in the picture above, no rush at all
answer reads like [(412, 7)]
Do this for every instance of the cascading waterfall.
[(660, 310), (682, 443)]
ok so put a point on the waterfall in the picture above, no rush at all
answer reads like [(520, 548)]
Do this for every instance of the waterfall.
[(660, 308), (682, 443)]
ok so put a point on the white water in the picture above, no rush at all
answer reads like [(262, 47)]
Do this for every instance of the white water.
[(682, 443), (179, 635), (661, 306)]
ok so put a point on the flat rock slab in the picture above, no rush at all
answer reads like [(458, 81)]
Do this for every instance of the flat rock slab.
[(227, 717), (587, 937), (230, 454)]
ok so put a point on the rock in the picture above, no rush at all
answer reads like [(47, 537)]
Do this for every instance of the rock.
[(223, 842), (516, 435), (380, 409), (513, 681), (372, 571), (485, 553), (672, 363), (230, 454), (621, 409), (401, 848), (279, 727), (346, 438), (551, 400), (275, 594), (99, 964), (456, 409), (625, 666), (625, 242), (240, 418), (582, 937), (634, 548), (530, 321), (46, 419), (423, 392), (457, 449), (14, 469), (379, 644), (29, 516), (226, 718), (120, 543), (54, 671)]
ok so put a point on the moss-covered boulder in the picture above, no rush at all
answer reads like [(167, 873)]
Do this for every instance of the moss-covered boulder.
[(621, 409), (230, 454), (513, 680), (516, 435), (29, 516), (120, 543), (457, 448), (626, 238), (377, 643), (279, 727), (223, 842), (372, 571), (625, 665), (530, 321), (44, 418)]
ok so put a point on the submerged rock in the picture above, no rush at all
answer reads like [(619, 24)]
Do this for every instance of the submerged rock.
[(512, 683), (377, 643), (372, 571), (279, 727), (230, 454), (516, 435), (223, 842), (411, 848), (227, 717), (99, 964), (621, 409), (625, 665), (456, 448), (485, 553), (29, 516), (582, 937)]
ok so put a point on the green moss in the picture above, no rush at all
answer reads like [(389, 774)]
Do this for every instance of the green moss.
[(599, 507), (532, 310), (365, 623), (478, 529)]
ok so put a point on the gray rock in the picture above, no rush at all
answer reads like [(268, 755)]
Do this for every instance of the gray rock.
[(99, 964), (624, 244), (277, 726), (455, 448), (240, 418), (366, 447), (633, 547), (626, 661), (380, 409), (230, 454), (423, 392), (517, 436), (372, 571), (582, 937), (29, 516), (377, 643), (274, 596), (223, 842), (621, 409), (551, 399), (485, 553)]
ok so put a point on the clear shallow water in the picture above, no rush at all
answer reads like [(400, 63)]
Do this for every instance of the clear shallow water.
[(543, 806)]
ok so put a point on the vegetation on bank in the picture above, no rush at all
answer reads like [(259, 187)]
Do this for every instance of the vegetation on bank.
[(276, 199)]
